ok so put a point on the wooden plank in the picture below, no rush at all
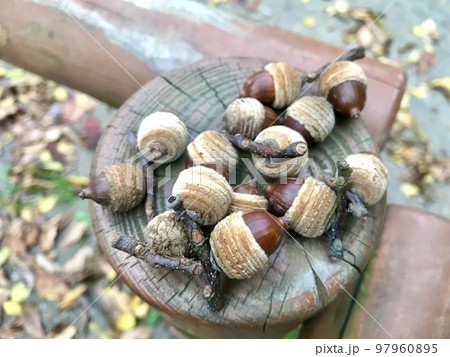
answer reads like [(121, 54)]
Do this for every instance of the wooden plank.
[(407, 286), (300, 281), (135, 33)]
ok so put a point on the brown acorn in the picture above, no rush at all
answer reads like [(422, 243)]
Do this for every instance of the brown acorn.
[(246, 198), (118, 187), (277, 86), (344, 85), (248, 116), (307, 205), (241, 243), (205, 194), (311, 116)]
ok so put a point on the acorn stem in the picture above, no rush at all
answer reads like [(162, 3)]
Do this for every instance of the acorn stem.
[(356, 205), (139, 250), (266, 151), (339, 186), (202, 250), (352, 55)]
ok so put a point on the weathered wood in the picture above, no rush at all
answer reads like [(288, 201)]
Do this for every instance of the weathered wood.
[(300, 281), (407, 285), (134, 33)]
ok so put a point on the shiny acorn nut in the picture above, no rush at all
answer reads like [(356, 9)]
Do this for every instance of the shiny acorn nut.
[(166, 235), (279, 137), (211, 146), (241, 243), (311, 116), (307, 205), (248, 116), (277, 86), (369, 177), (344, 85), (118, 187), (205, 193), (246, 198), (160, 134)]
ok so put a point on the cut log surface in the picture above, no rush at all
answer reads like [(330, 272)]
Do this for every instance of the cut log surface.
[(300, 281)]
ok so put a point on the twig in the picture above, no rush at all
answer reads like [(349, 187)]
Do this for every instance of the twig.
[(201, 248), (339, 186), (264, 150), (353, 54), (356, 206), (139, 250)]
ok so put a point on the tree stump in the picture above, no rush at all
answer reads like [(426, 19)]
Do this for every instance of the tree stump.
[(300, 281)]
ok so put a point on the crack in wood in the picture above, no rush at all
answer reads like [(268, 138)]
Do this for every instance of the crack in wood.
[(321, 289), (214, 90), (270, 310), (179, 89)]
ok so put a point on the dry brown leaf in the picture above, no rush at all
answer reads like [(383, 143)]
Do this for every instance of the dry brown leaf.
[(32, 322), (139, 332), (67, 333), (49, 286), (77, 231), (442, 85), (31, 234), (70, 299), (50, 230), (78, 262), (426, 62), (14, 237)]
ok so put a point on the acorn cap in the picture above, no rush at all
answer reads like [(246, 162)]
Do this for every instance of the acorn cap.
[(162, 131), (204, 191), (248, 116), (287, 83), (369, 177), (245, 202), (166, 235), (312, 209), (118, 187), (211, 146), (279, 137), (235, 246), (311, 116)]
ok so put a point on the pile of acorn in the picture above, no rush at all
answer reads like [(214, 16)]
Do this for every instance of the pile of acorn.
[(247, 222)]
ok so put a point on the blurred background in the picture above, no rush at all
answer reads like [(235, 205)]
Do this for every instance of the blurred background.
[(52, 271)]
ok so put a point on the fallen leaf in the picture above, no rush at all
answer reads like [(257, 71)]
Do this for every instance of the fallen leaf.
[(77, 231), (5, 253), (70, 299), (309, 21), (68, 333), (91, 132), (46, 204), (12, 308), (139, 308), (410, 190), (14, 237), (49, 286), (31, 234), (126, 322), (60, 94), (420, 91), (426, 28), (442, 85), (32, 322), (98, 330), (77, 263), (78, 180), (50, 230), (20, 292), (426, 62), (140, 332), (364, 37)]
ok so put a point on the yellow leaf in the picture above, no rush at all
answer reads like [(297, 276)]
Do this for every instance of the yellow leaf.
[(410, 190), (426, 28), (27, 214), (98, 330), (20, 292), (341, 6), (78, 180), (5, 253), (405, 101), (45, 156), (309, 21), (68, 333), (442, 84), (3, 71), (46, 204), (420, 91), (55, 166), (126, 322), (65, 148), (414, 56), (139, 308), (12, 308), (70, 299), (60, 94)]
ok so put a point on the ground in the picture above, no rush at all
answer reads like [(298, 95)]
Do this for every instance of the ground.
[(52, 271)]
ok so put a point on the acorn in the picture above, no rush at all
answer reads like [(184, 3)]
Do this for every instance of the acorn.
[(344, 85), (248, 116), (279, 137), (162, 134), (241, 243), (118, 187), (211, 146), (205, 193), (306, 205), (311, 116), (166, 235), (277, 86), (246, 198), (369, 177)]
